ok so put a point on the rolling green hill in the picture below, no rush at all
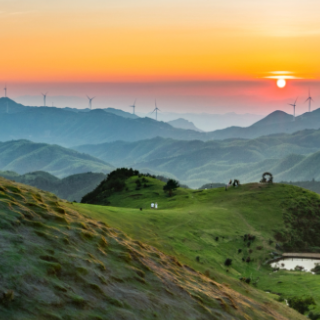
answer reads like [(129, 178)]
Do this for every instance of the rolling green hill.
[(288, 157), (57, 263), (24, 156), (71, 188), (203, 228)]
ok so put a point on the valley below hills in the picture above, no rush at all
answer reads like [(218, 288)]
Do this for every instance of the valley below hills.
[(290, 157)]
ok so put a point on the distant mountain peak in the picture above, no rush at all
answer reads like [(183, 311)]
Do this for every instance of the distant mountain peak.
[(182, 123), (273, 118)]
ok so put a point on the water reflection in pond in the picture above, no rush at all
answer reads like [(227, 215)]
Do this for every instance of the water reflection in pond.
[(292, 263)]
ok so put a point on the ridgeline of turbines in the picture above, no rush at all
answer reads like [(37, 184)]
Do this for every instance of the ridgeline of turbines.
[(309, 100)]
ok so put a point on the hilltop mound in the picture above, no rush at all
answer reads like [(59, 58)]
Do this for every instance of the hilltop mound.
[(59, 264), (293, 221), (124, 184)]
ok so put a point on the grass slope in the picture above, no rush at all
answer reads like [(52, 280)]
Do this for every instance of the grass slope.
[(188, 224), (24, 156), (59, 264)]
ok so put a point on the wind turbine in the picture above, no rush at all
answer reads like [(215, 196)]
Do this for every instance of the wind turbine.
[(156, 110), (90, 102), (309, 99), (134, 107), (294, 109), (44, 99)]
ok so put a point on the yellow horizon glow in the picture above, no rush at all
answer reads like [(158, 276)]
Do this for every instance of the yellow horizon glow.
[(121, 41)]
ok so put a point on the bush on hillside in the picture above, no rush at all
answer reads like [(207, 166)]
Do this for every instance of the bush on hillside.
[(314, 316), (301, 304), (228, 262), (316, 269), (302, 222), (171, 186), (115, 182)]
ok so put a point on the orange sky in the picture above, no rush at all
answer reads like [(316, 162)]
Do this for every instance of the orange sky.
[(125, 40)]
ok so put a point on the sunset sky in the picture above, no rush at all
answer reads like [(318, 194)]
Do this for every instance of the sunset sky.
[(143, 41)]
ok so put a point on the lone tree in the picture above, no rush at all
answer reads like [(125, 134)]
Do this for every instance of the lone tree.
[(171, 186)]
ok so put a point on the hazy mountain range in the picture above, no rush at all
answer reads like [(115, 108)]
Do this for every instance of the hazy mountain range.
[(290, 157), (208, 121), (192, 157), (24, 156), (71, 188), (67, 128)]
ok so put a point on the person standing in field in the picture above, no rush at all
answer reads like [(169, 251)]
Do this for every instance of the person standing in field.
[(152, 205), (156, 206), (229, 184)]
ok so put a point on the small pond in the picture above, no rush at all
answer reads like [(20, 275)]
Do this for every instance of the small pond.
[(292, 263)]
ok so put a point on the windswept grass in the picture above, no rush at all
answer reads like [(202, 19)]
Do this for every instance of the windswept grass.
[(101, 273)]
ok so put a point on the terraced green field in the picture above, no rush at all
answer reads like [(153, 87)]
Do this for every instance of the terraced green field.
[(204, 228)]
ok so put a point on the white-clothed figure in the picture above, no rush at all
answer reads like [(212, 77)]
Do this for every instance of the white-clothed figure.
[(229, 184), (152, 205), (156, 206)]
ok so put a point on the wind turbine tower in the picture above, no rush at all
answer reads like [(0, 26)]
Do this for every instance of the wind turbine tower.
[(156, 110), (294, 109), (44, 99), (309, 99), (90, 102), (134, 107), (5, 91)]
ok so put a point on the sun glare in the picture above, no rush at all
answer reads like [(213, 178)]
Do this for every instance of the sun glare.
[(281, 83)]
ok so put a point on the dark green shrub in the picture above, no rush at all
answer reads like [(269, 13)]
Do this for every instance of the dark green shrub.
[(228, 262), (314, 316), (316, 269), (301, 304)]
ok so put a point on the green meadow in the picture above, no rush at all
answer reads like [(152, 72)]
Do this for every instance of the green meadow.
[(62, 261), (202, 228)]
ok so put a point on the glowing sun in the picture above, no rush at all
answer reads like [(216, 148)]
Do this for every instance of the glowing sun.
[(281, 83)]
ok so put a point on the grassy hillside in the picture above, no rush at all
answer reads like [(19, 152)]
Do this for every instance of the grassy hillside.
[(24, 156), (203, 228), (288, 157), (57, 263), (70, 188), (310, 185)]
